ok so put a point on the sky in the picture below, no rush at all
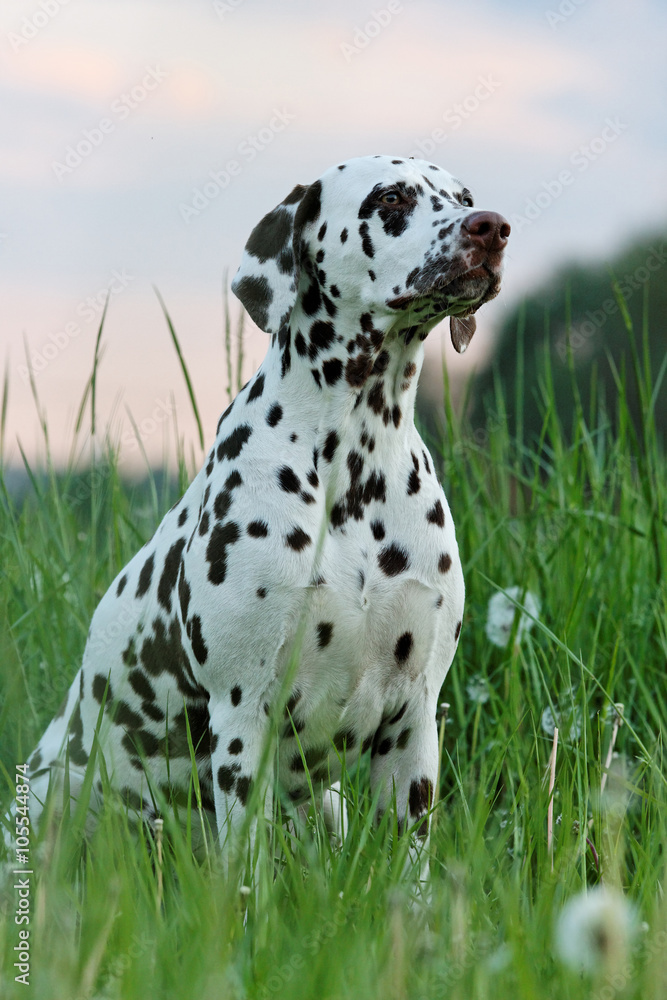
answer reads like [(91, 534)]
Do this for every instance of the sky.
[(142, 141)]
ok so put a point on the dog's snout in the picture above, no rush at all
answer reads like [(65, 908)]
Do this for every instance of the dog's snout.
[(488, 230)]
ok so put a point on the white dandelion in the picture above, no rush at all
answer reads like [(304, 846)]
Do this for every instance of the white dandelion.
[(501, 612), (595, 929), (477, 689), (566, 715)]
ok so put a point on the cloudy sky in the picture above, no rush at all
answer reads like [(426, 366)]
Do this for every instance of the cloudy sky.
[(142, 141)]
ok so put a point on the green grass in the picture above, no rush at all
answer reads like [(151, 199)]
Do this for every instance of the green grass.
[(580, 520)]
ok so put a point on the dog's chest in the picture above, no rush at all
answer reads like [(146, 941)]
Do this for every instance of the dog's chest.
[(373, 620)]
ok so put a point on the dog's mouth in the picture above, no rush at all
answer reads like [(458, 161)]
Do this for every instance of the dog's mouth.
[(458, 290)]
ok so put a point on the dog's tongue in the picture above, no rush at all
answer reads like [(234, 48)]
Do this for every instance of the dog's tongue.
[(462, 329)]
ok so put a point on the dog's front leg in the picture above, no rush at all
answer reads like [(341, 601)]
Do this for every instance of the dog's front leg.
[(239, 731), (405, 765)]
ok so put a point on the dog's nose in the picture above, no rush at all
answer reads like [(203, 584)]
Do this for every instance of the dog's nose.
[(487, 230)]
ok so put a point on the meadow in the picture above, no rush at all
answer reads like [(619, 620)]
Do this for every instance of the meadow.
[(547, 869)]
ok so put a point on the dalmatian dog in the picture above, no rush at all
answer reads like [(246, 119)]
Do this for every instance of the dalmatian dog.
[(308, 583)]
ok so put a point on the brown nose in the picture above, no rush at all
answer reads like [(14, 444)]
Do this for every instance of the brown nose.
[(487, 230)]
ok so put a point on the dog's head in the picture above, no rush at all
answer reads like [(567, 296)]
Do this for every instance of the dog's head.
[(388, 235)]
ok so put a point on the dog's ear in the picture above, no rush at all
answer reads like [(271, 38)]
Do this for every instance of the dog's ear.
[(268, 277), (462, 329)]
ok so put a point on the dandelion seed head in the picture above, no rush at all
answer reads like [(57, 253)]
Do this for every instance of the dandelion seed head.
[(594, 929), (501, 612), (477, 690)]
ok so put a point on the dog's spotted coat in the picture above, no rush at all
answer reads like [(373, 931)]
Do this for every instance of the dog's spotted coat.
[(317, 524)]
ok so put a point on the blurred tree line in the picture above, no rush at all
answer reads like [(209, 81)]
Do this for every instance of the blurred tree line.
[(579, 304)]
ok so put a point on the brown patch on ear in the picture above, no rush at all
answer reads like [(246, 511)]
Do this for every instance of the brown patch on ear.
[(462, 329)]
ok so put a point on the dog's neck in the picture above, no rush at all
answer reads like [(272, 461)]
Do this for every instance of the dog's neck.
[(353, 382)]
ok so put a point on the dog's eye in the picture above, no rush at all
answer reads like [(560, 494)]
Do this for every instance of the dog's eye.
[(391, 198), (466, 200)]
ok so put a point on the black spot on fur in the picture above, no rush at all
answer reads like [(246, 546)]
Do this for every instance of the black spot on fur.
[(232, 445), (182, 517), (436, 515), (457, 631), (444, 562), (324, 633), (77, 753), (393, 560), (375, 399), (377, 527), (227, 776), (403, 738), (414, 483), (235, 747), (125, 717), (236, 695), (170, 573), (256, 389), (343, 236), (274, 415), (420, 797), (288, 480), (184, 593), (261, 591), (99, 687), (321, 336), (366, 242), (311, 299), (300, 344), (298, 540), (222, 536), (145, 576), (258, 529), (403, 647), (141, 685), (121, 584), (243, 789), (221, 504), (330, 446), (332, 370), (129, 654), (199, 647)]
